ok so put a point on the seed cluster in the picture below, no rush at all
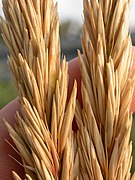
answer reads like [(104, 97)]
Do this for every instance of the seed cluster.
[(49, 149)]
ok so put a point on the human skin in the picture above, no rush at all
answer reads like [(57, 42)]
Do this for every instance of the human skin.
[(7, 165)]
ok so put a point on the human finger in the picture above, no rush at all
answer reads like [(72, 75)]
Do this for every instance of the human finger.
[(7, 165)]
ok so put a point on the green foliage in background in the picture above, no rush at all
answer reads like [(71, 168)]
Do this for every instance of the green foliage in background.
[(7, 92)]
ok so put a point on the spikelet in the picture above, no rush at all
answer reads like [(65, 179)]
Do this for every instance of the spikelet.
[(44, 136), (104, 120)]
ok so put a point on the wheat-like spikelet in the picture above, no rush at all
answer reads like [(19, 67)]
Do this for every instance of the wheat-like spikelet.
[(44, 136), (104, 120)]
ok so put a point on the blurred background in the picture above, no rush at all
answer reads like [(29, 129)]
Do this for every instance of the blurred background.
[(71, 18)]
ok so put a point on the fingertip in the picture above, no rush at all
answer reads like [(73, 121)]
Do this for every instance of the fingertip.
[(7, 165), (74, 74), (11, 108), (132, 109), (133, 98)]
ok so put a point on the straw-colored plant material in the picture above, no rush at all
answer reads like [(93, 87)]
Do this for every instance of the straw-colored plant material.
[(104, 120), (44, 136)]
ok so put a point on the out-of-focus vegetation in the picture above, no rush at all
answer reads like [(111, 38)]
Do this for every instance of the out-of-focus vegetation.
[(70, 38), (7, 92)]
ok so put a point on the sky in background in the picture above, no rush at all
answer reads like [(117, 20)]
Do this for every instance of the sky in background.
[(72, 9)]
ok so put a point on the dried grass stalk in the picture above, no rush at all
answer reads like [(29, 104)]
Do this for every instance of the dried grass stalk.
[(104, 120), (44, 136)]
